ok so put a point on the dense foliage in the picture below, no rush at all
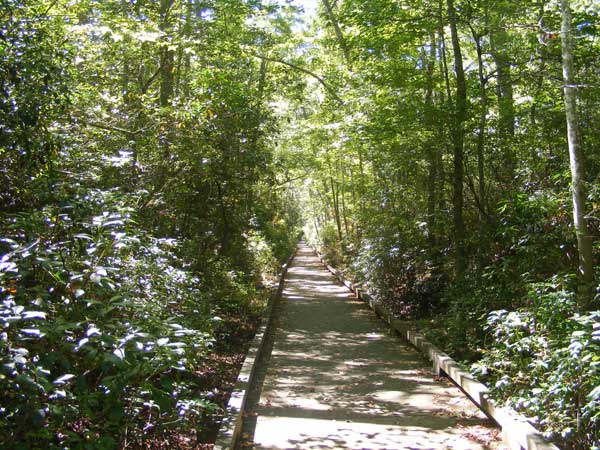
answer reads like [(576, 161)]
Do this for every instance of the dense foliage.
[(158, 157), (138, 224), (440, 178)]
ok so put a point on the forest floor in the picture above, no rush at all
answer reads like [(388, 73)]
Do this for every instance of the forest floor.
[(336, 377)]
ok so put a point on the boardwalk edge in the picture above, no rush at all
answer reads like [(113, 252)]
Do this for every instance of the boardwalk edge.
[(517, 432), (231, 426)]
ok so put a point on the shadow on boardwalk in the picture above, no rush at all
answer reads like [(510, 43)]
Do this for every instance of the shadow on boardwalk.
[(334, 377)]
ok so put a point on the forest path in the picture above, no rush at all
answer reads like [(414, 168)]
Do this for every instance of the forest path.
[(335, 377)]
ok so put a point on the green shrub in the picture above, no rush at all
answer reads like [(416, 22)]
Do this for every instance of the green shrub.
[(399, 273), (543, 359), (102, 327)]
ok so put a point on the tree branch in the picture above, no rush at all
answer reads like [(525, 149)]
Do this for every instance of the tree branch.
[(147, 84), (50, 7), (290, 180), (103, 126), (320, 79), (338, 33)]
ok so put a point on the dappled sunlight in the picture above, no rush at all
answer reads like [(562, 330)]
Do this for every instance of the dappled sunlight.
[(338, 378), (374, 336), (295, 297), (285, 432)]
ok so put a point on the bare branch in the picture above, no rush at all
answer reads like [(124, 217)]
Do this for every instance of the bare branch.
[(303, 70), (106, 127), (338, 33), (50, 7), (150, 80), (290, 180)]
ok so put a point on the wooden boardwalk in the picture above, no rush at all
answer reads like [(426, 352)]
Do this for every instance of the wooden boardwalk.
[(334, 377)]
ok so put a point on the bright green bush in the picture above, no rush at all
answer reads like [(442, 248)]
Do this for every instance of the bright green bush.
[(543, 359), (101, 325)]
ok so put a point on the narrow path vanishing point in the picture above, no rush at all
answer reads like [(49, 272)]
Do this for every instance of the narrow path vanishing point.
[(335, 378)]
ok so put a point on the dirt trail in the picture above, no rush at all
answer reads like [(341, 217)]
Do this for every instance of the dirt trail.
[(336, 378)]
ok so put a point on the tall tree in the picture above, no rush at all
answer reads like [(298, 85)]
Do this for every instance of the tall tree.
[(584, 237), (458, 137), (500, 49)]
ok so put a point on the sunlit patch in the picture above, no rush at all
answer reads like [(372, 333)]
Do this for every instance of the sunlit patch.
[(389, 396), (295, 335), (374, 336), (286, 432), (356, 363), (310, 403)]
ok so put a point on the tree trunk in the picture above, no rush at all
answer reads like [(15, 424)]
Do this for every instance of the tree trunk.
[(226, 229), (182, 82), (481, 132), (506, 109), (343, 198), (443, 57), (584, 238), (167, 57), (445, 97), (460, 115), (542, 55), (336, 208), (335, 199), (167, 87), (482, 128), (338, 33), (431, 150)]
